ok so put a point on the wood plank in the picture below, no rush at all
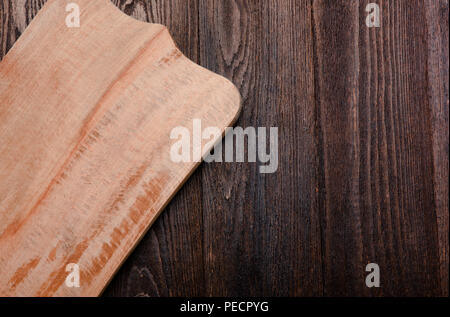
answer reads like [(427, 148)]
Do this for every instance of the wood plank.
[(85, 162), (336, 27), (262, 234), (378, 202), (438, 56)]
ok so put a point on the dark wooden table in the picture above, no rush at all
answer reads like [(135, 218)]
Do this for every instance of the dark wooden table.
[(363, 167)]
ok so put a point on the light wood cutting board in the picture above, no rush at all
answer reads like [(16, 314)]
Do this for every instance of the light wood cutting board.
[(85, 121)]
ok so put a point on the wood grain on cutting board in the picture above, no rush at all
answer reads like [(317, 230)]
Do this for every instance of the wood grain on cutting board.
[(85, 121)]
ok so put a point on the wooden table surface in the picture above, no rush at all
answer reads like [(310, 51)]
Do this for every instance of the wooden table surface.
[(363, 151)]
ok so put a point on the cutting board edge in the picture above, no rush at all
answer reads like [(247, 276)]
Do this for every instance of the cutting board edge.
[(175, 192)]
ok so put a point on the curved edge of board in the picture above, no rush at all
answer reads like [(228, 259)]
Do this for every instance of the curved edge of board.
[(207, 150), (166, 32)]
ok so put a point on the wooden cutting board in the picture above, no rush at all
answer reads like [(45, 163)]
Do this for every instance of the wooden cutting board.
[(85, 121)]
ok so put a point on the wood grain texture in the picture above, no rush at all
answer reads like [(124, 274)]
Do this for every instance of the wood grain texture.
[(85, 163), (363, 174)]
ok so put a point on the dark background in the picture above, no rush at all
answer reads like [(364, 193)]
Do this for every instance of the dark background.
[(363, 167)]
